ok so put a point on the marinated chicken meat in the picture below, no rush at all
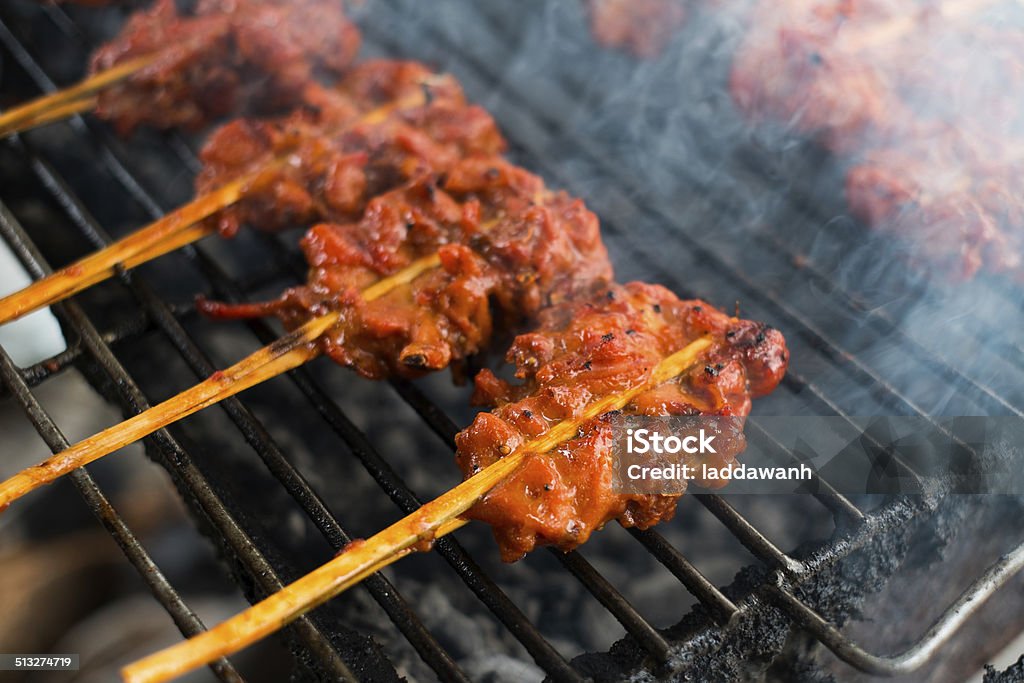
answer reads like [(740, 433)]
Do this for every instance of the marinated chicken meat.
[(583, 350), (386, 122), (243, 57), (643, 27), (958, 222), (507, 247), (924, 106)]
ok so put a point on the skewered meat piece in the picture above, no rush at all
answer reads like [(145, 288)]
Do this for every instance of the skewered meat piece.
[(797, 66), (643, 27), (583, 350), (507, 249), (331, 174), (246, 57), (957, 222), (924, 106)]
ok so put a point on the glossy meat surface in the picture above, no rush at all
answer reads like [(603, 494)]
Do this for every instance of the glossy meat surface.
[(583, 350), (386, 122), (227, 57), (507, 247)]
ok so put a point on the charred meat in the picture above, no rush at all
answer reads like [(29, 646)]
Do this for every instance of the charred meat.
[(223, 57), (386, 122), (507, 247), (583, 350)]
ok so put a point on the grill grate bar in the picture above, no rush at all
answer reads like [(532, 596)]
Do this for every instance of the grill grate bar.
[(749, 536), (261, 441), (722, 608), (178, 462), (184, 618), (638, 627), (844, 512), (888, 326), (37, 373), (798, 382), (912, 658)]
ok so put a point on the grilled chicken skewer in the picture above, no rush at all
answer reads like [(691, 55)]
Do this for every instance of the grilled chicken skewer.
[(926, 126), (539, 467), (244, 57), (363, 558), (825, 66), (387, 121), (443, 262)]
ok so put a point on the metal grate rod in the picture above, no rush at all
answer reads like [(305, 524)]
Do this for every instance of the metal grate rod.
[(913, 658), (175, 456), (184, 618), (261, 441), (749, 536), (722, 608)]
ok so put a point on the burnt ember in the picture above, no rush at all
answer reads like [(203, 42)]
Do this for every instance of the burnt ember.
[(581, 352), (225, 57)]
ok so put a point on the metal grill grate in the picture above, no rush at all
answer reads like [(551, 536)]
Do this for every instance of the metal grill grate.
[(536, 115)]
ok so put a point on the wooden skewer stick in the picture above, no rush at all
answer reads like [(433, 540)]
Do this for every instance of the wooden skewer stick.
[(285, 354), (164, 235), (361, 559), (161, 236), (57, 113), (15, 119)]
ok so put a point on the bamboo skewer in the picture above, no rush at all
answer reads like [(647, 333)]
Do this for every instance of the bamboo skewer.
[(362, 558), (57, 113), (166, 234), (285, 354), (15, 119), (162, 236)]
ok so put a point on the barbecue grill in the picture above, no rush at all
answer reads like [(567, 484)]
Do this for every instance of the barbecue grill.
[(722, 213)]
